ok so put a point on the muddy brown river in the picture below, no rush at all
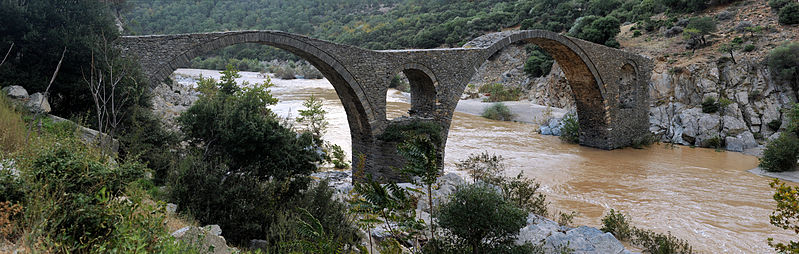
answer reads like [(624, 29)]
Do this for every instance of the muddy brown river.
[(700, 195)]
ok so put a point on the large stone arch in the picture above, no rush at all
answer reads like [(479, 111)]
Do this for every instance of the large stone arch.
[(584, 78), (423, 92), (161, 55)]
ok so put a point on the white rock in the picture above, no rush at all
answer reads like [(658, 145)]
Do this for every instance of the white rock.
[(16, 92), (38, 103)]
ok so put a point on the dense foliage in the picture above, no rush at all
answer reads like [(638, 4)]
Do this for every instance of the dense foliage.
[(59, 195), (570, 128), (781, 154), (481, 217), (246, 172), (783, 62)]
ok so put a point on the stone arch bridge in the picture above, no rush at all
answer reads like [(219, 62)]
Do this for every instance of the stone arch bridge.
[(609, 85)]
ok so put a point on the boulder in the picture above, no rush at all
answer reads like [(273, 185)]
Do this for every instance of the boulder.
[(203, 239), (171, 208), (582, 239), (16, 92), (38, 103), (733, 126)]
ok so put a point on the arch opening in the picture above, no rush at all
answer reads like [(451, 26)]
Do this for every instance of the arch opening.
[(355, 106)]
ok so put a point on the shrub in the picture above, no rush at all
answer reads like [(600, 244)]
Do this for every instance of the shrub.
[(714, 142), (483, 167), (479, 216), (710, 106), (399, 132), (749, 48), (524, 194), (781, 153), (789, 14), (783, 62), (338, 159), (498, 111), (498, 92), (397, 82), (570, 129), (786, 215), (636, 33), (285, 72), (617, 224), (778, 4), (538, 63), (660, 243)]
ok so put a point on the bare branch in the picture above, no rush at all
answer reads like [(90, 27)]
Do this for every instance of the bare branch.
[(46, 93), (7, 53)]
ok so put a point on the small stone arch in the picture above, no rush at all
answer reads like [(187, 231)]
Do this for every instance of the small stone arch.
[(588, 87), (423, 85)]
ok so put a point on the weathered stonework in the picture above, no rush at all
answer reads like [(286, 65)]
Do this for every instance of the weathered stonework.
[(610, 85)]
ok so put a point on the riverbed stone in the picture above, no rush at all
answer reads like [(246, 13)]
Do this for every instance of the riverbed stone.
[(203, 239), (16, 92)]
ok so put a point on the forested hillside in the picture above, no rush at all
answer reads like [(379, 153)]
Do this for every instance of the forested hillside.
[(395, 24)]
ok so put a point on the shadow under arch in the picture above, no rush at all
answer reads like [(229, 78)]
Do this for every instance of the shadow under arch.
[(356, 104), (588, 87), (422, 82)]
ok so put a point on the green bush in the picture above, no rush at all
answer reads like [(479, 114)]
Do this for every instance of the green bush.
[(481, 218), (789, 14), (618, 225), (538, 63), (498, 92), (715, 142), (399, 132), (778, 4), (710, 106), (525, 194), (749, 48), (783, 62), (660, 243), (781, 153), (636, 33), (498, 111), (570, 129)]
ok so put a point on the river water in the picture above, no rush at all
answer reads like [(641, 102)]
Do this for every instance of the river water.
[(700, 195)]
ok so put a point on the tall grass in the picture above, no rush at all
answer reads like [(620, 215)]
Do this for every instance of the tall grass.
[(12, 128)]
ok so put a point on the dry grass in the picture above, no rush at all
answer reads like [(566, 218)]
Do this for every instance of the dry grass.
[(12, 128)]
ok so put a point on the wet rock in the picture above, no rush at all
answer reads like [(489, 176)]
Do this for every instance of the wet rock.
[(38, 103), (741, 142), (16, 92)]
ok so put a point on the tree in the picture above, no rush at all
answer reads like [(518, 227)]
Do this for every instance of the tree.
[(786, 215), (421, 159), (479, 216), (313, 116), (730, 48), (696, 30), (538, 63), (602, 30)]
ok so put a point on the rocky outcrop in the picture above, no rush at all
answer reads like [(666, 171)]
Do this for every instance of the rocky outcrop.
[(169, 100), (505, 67), (581, 239), (754, 99)]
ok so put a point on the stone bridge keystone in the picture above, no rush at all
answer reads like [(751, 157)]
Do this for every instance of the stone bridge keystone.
[(609, 85)]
